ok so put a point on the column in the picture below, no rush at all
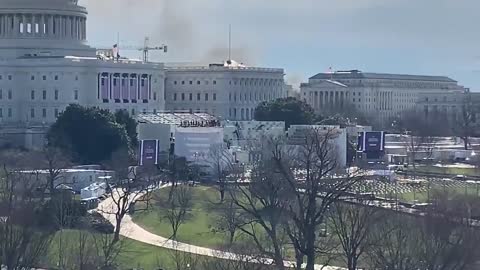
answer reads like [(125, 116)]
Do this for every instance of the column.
[(16, 25), (75, 27), (68, 24), (43, 26), (24, 22), (50, 26), (84, 27), (2, 25)]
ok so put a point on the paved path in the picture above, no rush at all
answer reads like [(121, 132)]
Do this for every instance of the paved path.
[(133, 231)]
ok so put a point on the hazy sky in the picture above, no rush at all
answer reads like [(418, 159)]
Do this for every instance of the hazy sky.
[(434, 37)]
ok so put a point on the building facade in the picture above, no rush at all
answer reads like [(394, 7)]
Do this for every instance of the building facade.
[(46, 64), (229, 91), (379, 97)]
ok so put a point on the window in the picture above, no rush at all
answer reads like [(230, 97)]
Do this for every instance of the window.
[(10, 95), (198, 96), (230, 96), (1, 94), (1, 77), (214, 82), (175, 82), (206, 96), (198, 82), (44, 94), (32, 113), (32, 78), (32, 95), (10, 77), (174, 96), (154, 111), (55, 112), (56, 77), (9, 112), (191, 82), (44, 77), (183, 96), (75, 94), (44, 113), (183, 82), (154, 95), (214, 96), (76, 77), (190, 96), (56, 94), (1, 113)]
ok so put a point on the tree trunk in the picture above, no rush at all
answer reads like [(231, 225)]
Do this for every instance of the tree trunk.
[(232, 236), (310, 249), (116, 236), (298, 260), (465, 143), (222, 194), (351, 265)]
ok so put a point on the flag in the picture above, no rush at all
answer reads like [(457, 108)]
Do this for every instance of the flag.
[(115, 51)]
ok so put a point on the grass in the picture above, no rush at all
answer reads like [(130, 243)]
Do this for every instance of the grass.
[(447, 170), (198, 230), (133, 254), (421, 196)]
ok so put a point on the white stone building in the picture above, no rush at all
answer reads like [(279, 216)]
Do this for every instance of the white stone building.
[(296, 135), (46, 64), (379, 96), (229, 91)]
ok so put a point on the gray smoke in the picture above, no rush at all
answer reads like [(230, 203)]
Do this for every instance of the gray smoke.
[(172, 22), (295, 80)]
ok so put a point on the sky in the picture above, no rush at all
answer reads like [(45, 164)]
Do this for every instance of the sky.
[(305, 37)]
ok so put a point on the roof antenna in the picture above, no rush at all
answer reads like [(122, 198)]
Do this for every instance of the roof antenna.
[(230, 43)]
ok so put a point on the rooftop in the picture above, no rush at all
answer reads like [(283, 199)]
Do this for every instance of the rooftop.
[(179, 118), (229, 65), (356, 74)]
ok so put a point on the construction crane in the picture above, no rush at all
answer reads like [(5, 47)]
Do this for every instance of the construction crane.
[(145, 49)]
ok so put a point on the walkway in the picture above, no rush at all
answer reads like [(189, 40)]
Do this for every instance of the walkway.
[(133, 231)]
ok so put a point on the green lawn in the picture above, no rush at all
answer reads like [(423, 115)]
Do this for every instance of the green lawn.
[(133, 254), (197, 230), (422, 195), (447, 170)]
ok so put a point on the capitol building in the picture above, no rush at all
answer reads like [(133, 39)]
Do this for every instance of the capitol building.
[(46, 64)]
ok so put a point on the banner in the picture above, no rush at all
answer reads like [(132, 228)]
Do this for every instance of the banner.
[(148, 152)]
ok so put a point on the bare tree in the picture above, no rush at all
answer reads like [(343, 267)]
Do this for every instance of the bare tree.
[(56, 161), (229, 219), (107, 249), (23, 241), (308, 172), (352, 224), (177, 209), (443, 238), (128, 187), (467, 122), (221, 162), (263, 207), (394, 243)]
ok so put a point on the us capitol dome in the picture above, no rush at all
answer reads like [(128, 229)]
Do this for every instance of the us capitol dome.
[(56, 27), (46, 64)]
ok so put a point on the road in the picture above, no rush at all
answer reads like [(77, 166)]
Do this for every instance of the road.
[(133, 231)]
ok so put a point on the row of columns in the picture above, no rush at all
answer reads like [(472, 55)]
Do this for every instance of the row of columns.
[(386, 101), (320, 99), (43, 25)]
